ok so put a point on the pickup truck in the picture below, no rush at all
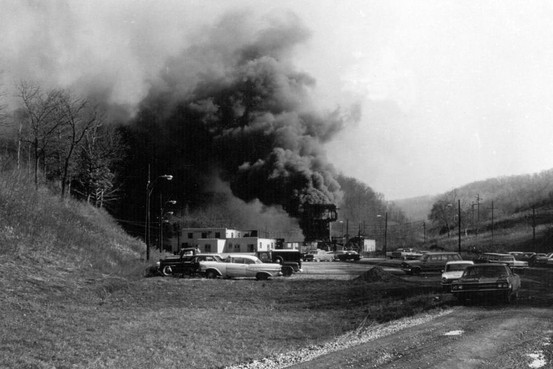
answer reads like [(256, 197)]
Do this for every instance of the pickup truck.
[(186, 263), (290, 260)]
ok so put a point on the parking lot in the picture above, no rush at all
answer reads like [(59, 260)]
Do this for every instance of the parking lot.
[(350, 270)]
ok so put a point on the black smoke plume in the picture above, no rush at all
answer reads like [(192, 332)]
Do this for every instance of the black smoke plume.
[(233, 106)]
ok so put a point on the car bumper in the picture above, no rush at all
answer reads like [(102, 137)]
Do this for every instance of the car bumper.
[(480, 293)]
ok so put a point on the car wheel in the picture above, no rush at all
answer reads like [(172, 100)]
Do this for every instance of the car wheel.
[(166, 271), (211, 274), (287, 271), (262, 276), (508, 297)]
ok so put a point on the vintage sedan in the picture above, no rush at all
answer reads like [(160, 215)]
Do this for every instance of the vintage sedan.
[(453, 270), (487, 281), (240, 265), (507, 259), (322, 255), (346, 255)]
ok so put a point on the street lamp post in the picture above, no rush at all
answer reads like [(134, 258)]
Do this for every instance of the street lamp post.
[(385, 232), (149, 188)]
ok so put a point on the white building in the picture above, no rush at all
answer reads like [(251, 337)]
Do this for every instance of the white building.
[(223, 240)]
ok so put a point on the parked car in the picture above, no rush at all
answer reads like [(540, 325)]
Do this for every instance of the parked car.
[(307, 256), (507, 259), (166, 265), (322, 255), (240, 265), (289, 259), (528, 257), (187, 264), (542, 259), (453, 270), (405, 254), (485, 281), (429, 262), (346, 255)]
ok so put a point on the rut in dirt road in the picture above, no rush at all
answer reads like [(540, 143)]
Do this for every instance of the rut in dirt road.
[(475, 337)]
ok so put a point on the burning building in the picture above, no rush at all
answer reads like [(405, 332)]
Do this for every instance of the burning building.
[(316, 221)]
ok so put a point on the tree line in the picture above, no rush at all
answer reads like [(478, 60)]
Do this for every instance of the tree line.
[(64, 138)]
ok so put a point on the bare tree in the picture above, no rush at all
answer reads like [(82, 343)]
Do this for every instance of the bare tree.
[(101, 150), (77, 117), (38, 119)]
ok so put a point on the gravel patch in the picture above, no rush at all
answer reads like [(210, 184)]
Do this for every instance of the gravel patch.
[(361, 335)]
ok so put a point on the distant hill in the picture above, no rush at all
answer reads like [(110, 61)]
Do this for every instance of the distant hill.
[(510, 194), (416, 208)]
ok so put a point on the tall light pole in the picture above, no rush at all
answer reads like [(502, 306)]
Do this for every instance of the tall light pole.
[(385, 232), (149, 188)]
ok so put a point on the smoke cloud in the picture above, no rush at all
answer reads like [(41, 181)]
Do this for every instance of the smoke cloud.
[(205, 102), (233, 104)]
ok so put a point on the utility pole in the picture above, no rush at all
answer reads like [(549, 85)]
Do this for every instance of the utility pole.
[(147, 225), (459, 219), (492, 223), (534, 225), (478, 198), (385, 233)]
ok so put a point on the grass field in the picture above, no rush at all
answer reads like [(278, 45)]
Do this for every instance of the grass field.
[(58, 318)]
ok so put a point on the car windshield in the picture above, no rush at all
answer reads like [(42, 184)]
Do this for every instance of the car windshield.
[(455, 267), (486, 271), (213, 258), (505, 258)]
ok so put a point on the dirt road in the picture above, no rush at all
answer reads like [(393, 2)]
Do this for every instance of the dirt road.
[(468, 337), (479, 336)]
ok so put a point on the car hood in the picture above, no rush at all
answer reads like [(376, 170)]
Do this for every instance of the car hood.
[(412, 262), (452, 275), (482, 280)]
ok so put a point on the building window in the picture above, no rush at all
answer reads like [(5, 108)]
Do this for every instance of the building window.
[(191, 235), (251, 248), (217, 234), (237, 246), (207, 248), (204, 234)]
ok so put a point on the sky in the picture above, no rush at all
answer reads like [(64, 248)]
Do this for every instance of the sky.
[(451, 92)]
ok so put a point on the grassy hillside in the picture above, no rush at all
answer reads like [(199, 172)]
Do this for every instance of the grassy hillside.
[(37, 228)]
